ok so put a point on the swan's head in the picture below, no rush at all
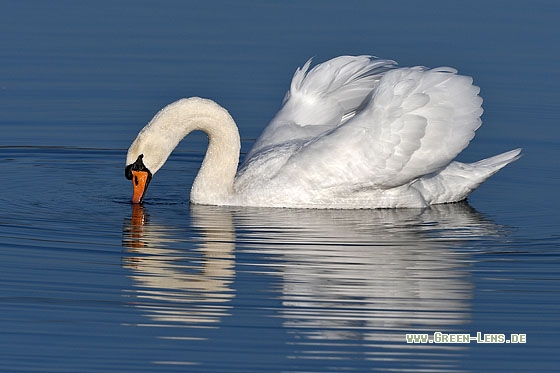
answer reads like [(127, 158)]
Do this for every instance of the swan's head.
[(140, 176), (151, 148), (155, 142)]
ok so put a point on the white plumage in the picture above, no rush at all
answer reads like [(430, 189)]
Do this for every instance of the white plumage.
[(353, 132)]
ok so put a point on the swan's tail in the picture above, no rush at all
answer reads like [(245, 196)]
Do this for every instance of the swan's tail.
[(497, 162), (458, 180)]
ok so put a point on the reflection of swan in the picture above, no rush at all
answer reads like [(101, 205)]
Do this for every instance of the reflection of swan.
[(368, 277), (399, 263), (353, 132), (196, 283), (347, 279)]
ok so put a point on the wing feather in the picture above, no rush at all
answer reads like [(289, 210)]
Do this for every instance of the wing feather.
[(322, 98), (415, 123)]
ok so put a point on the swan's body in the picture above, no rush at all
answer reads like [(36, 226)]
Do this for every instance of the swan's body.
[(353, 132)]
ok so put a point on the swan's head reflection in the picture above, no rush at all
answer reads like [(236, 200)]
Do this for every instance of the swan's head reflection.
[(345, 275), (180, 278)]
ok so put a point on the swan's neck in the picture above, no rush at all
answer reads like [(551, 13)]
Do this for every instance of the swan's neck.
[(214, 182)]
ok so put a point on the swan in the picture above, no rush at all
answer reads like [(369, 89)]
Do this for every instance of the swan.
[(352, 132)]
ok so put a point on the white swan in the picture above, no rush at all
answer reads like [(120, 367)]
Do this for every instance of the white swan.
[(353, 132)]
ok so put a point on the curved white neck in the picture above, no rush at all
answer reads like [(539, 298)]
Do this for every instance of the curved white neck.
[(214, 182)]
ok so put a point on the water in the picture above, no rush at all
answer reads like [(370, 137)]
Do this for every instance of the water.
[(91, 283)]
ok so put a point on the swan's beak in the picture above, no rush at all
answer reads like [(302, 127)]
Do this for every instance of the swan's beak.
[(140, 176), (140, 181)]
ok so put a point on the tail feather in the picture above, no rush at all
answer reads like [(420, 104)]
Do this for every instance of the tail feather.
[(499, 161), (458, 180)]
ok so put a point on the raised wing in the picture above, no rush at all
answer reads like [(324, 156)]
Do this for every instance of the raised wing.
[(322, 98), (416, 122)]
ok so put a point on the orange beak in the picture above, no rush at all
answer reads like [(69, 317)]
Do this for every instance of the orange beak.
[(140, 180)]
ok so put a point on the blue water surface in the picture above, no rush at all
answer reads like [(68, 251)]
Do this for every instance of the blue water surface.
[(90, 283)]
